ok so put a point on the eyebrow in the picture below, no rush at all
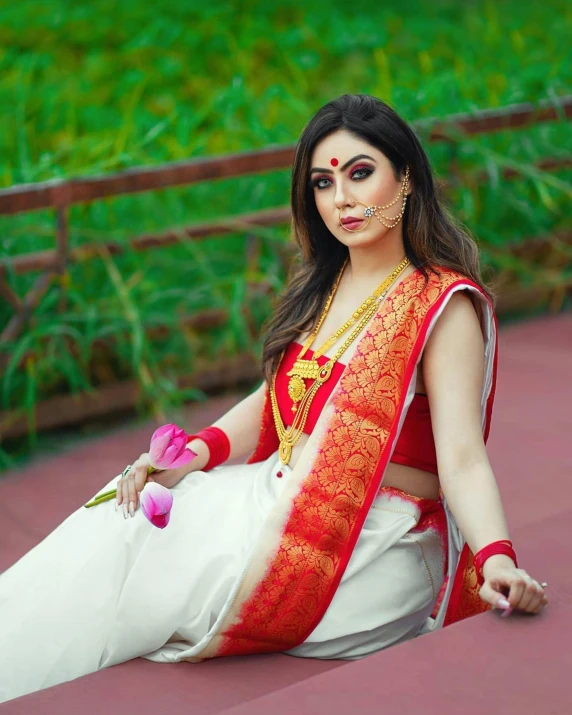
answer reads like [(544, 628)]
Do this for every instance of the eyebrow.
[(345, 166)]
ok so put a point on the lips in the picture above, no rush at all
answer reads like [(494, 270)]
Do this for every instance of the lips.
[(351, 222)]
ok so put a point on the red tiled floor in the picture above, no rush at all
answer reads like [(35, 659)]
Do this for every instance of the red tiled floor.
[(484, 665)]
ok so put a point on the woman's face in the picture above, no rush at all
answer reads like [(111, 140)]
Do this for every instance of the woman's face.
[(346, 169)]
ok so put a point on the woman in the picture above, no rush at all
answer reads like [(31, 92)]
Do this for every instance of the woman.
[(352, 525)]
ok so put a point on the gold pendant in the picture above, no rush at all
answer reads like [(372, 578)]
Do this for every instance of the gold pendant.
[(285, 452), (301, 370), (296, 390)]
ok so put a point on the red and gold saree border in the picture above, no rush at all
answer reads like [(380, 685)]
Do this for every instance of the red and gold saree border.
[(320, 530)]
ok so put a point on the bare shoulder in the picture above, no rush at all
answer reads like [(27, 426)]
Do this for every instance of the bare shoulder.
[(453, 358), (457, 326)]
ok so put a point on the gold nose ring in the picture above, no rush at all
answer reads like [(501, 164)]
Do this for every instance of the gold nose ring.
[(366, 218)]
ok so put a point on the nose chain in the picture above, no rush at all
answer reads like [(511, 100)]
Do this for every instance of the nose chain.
[(373, 210)]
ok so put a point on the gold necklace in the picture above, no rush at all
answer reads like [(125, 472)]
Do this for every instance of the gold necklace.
[(289, 436), (309, 369)]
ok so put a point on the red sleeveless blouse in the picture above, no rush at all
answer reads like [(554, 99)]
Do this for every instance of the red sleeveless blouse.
[(415, 446)]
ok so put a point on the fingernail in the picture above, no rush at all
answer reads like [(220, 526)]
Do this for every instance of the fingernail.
[(506, 613), (503, 603), (116, 505), (131, 509), (125, 512)]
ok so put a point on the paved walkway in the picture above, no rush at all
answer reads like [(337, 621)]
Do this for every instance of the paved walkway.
[(483, 665)]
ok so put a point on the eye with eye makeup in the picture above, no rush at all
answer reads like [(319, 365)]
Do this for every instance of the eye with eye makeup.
[(358, 173), (361, 169)]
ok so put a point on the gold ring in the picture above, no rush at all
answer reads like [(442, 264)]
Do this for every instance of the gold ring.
[(367, 219)]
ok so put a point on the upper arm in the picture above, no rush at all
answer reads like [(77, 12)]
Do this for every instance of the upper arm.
[(261, 389), (242, 422), (453, 371)]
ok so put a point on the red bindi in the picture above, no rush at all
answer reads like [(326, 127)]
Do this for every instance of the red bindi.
[(334, 162)]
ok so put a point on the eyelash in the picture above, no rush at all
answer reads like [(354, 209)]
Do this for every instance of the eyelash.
[(367, 169)]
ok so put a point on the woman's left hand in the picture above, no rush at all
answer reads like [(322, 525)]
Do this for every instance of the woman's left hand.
[(507, 587)]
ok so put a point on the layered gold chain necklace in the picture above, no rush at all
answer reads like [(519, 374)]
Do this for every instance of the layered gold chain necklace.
[(310, 369)]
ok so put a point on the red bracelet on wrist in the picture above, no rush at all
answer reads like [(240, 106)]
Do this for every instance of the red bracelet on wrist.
[(218, 444), (503, 547)]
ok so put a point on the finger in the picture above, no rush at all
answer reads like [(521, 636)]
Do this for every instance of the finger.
[(120, 491), (120, 483), (531, 595), (125, 492), (541, 605), (137, 483), (132, 495), (535, 601), (516, 592), (490, 593)]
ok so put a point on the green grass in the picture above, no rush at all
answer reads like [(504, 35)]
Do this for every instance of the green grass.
[(93, 87), (96, 86)]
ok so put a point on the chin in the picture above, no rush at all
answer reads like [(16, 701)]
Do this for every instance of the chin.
[(359, 238)]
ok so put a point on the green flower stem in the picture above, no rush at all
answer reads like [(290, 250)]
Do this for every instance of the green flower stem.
[(100, 499), (106, 496)]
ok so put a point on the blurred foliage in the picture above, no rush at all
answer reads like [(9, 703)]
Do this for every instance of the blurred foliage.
[(96, 86)]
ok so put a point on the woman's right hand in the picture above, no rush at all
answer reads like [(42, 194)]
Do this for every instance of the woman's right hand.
[(131, 485)]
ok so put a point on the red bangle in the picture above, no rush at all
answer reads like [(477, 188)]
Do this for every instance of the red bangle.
[(503, 547), (218, 444)]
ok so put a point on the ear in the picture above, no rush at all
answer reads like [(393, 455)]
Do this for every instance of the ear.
[(410, 183)]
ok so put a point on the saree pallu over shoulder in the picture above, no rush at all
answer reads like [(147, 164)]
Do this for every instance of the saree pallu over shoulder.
[(307, 541)]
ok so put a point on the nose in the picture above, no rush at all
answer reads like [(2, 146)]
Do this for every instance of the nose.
[(342, 195)]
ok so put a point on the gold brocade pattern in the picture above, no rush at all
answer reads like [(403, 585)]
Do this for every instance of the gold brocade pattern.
[(467, 601), (328, 513)]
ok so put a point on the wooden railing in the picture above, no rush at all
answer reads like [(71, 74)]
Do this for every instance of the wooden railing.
[(59, 195)]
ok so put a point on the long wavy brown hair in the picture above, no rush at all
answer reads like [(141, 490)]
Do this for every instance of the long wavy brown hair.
[(431, 236)]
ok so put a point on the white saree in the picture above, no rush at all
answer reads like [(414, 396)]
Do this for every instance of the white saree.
[(101, 589)]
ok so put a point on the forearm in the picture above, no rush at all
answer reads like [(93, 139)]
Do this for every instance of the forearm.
[(241, 424), (474, 499)]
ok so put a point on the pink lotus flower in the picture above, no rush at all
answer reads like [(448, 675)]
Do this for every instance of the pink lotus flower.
[(169, 448), (156, 502)]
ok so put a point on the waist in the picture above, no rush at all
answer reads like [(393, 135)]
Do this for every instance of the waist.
[(411, 480)]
